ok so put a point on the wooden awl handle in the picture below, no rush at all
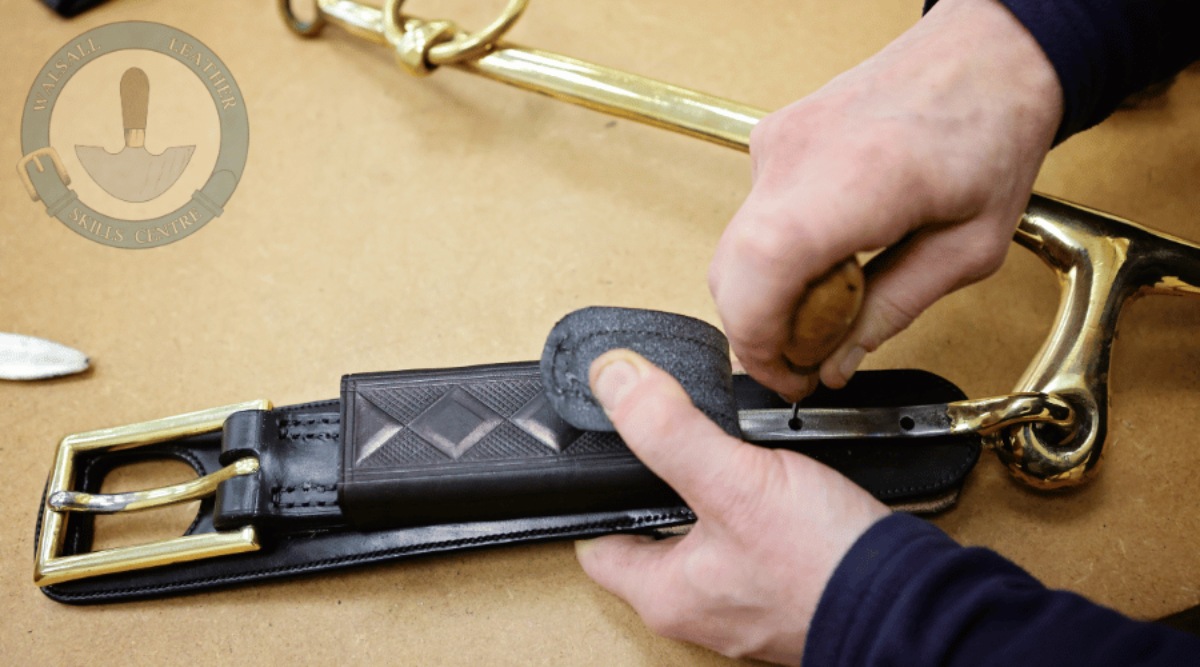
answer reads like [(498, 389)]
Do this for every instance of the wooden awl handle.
[(830, 307)]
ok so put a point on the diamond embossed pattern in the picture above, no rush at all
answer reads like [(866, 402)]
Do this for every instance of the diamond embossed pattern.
[(408, 423), (455, 422)]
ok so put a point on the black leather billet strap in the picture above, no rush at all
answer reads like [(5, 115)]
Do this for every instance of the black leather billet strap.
[(305, 528)]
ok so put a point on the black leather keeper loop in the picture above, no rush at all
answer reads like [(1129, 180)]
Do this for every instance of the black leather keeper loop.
[(241, 431), (297, 450)]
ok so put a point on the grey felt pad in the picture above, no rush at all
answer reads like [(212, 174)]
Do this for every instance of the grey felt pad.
[(695, 352)]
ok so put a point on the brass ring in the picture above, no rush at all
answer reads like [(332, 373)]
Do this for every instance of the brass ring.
[(303, 28), (463, 46), (412, 39), (476, 44)]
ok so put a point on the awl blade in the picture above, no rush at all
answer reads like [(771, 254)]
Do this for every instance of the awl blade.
[(31, 358)]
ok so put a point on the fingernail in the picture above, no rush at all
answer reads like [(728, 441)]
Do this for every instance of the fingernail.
[(613, 381), (804, 388), (809, 383), (851, 361)]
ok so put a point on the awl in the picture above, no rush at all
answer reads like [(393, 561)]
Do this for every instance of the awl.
[(30, 358)]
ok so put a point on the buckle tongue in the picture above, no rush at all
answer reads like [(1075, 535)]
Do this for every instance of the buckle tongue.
[(51, 567), (134, 501)]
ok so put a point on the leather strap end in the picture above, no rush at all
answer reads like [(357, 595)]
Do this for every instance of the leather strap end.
[(693, 351)]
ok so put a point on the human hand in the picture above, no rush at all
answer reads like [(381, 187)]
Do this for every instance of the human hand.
[(928, 149), (772, 525)]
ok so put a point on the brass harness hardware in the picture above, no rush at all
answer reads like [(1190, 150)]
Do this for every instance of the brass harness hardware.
[(1102, 261), (51, 566), (421, 45), (989, 416)]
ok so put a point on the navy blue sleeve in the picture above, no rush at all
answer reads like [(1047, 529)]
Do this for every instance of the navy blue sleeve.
[(1105, 50), (906, 594)]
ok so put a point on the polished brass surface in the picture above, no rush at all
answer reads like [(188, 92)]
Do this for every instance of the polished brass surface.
[(135, 501), (988, 416), (1101, 261), (51, 567), (412, 40), (303, 28), (603, 89), (420, 45), (473, 45)]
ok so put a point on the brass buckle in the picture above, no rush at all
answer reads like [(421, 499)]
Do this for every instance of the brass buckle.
[(51, 567)]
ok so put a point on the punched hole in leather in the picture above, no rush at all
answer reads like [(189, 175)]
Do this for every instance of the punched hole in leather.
[(426, 461)]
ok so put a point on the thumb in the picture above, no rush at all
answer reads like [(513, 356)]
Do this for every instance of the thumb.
[(656, 418), (632, 567)]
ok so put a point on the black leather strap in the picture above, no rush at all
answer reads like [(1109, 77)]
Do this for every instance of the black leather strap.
[(472, 444), (307, 524), (694, 352)]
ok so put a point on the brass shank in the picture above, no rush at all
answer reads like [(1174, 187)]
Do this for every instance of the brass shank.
[(599, 88)]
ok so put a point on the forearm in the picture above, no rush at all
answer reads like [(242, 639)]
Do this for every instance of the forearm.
[(906, 594), (1105, 50)]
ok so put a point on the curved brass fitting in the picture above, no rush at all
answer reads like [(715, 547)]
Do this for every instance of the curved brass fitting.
[(412, 40), (1102, 263), (421, 45)]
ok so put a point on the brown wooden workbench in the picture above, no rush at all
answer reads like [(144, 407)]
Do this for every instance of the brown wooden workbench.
[(385, 222)]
